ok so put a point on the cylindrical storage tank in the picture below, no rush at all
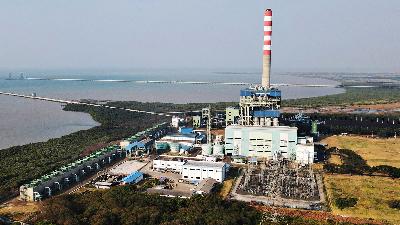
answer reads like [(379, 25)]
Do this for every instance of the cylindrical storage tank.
[(174, 147), (276, 122), (268, 122), (206, 149), (218, 149)]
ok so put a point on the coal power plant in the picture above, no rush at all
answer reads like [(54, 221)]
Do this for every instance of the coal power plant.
[(197, 149)]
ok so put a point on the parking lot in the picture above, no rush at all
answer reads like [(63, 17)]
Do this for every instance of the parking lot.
[(172, 177)]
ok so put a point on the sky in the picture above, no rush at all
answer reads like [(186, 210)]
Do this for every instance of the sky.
[(308, 35)]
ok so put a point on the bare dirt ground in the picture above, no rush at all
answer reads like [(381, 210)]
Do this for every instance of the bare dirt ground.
[(19, 210), (315, 215)]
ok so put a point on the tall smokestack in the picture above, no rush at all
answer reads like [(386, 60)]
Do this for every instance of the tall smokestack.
[(267, 48)]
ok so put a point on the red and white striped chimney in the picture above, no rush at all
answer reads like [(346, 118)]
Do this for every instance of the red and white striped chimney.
[(267, 48)]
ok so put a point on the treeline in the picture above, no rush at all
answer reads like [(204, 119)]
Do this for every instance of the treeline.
[(363, 124), (21, 164), (352, 163), (170, 107), (124, 205), (352, 96)]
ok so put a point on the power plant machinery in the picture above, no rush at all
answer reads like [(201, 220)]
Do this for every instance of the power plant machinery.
[(259, 105)]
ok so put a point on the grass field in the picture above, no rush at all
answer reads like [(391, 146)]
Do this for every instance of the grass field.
[(373, 194), (375, 151), (335, 159)]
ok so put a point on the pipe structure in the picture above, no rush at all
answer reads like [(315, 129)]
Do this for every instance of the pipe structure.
[(267, 48)]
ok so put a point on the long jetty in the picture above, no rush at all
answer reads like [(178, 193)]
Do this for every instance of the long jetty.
[(83, 103), (175, 82)]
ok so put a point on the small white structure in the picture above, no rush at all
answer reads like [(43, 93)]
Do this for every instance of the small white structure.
[(103, 185), (199, 170), (305, 153), (175, 121), (124, 143)]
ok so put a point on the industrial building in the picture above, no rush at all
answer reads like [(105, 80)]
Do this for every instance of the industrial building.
[(179, 143), (70, 174), (269, 143), (258, 133), (133, 178), (143, 142), (196, 121), (231, 116), (199, 170), (193, 170), (168, 164)]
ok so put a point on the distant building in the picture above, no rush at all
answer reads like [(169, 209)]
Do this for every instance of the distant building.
[(196, 121), (175, 121), (231, 116), (143, 146)]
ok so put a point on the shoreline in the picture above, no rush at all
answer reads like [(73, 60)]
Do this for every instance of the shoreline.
[(29, 122)]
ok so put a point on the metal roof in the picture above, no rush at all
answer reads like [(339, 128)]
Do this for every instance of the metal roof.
[(204, 164), (132, 177)]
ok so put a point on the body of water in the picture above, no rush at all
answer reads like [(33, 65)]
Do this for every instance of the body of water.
[(24, 121)]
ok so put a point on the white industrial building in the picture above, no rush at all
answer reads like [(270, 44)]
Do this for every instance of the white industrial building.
[(193, 170), (270, 142), (199, 170), (168, 165)]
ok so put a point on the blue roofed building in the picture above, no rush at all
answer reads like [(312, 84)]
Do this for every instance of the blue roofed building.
[(133, 178)]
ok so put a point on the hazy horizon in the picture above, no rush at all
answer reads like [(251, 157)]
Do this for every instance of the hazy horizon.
[(308, 36)]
